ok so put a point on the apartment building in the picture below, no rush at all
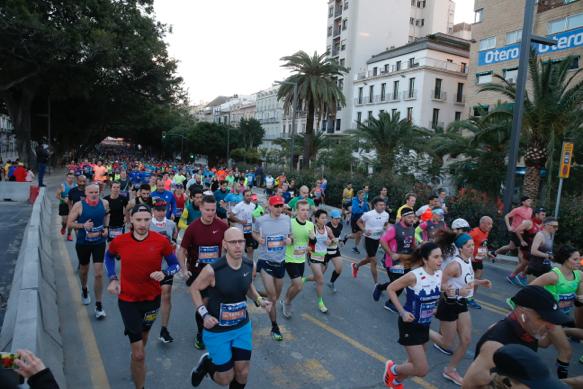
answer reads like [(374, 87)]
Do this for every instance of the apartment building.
[(424, 81), (497, 31), (7, 138), (358, 29), (269, 112), (244, 109)]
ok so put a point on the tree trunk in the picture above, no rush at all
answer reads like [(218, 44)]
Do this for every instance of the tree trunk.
[(531, 183), (19, 104), (309, 136)]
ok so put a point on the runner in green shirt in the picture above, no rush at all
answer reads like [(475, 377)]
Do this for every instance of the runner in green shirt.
[(304, 195)]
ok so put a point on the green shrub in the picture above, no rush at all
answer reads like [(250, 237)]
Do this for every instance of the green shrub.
[(571, 221)]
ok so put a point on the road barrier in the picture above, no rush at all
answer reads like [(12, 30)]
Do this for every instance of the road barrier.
[(32, 318), (14, 191)]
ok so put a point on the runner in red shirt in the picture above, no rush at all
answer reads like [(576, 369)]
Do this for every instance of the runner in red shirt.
[(201, 245), (140, 253), (480, 237)]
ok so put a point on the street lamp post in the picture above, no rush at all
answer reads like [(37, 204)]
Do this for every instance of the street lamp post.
[(525, 44), (293, 131)]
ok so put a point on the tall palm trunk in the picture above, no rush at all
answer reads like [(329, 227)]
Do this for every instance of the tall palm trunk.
[(531, 183), (309, 136), (535, 158)]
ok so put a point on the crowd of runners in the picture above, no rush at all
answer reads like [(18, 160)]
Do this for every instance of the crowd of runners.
[(217, 229)]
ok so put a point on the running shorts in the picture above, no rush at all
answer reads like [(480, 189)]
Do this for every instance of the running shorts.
[(371, 246), (294, 270), (515, 239), (138, 317), (85, 252), (412, 334), (332, 255), (228, 346), (63, 209), (477, 265), (450, 309), (168, 280), (354, 226), (250, 242), (274, 269), (538, 266)]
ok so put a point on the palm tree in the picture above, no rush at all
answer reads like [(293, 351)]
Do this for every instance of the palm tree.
[(318, 91), (388, 135), (552, 108)]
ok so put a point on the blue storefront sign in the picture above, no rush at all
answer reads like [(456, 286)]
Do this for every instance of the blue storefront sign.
[(565, 40)]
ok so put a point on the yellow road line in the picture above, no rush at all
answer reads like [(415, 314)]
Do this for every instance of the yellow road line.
[(94, 360), (361, 347)]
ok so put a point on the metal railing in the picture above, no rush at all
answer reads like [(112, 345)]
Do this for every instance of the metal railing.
[(460, 99), (410, 94), (434, 125), (438, 95), (420, 62)]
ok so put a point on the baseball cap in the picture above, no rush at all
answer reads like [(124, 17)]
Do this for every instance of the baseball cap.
[(542, 302), (525, 366), (276, 200), (253, 197), (160, 204), (539, 210), (335, 214), (141, 208), (438, 211), (460, 223)]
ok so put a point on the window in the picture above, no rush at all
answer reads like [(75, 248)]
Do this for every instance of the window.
[(344, 24), (395, 90), (413, 2), (346, 5), (483, 78), (410, 113), (457, 116), (478, 109), (375, 71), (338, 122), (411, 87), (381, 111), (330, 12), (411, 21), (398, 66), (330, 31), (437, 92), (370, 93), (420, 22), (343, 45), (488, 43), (435, 118), (369, 115), (386, 68), (459, 97), (394, 111), (383, 91), (513, 37), (360, 95), (478, 15), (341, 83), (342, 61), (464, 67), (510, 75), (565, 24), (412, 62)]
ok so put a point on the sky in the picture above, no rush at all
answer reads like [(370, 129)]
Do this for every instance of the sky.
[(227, 47)]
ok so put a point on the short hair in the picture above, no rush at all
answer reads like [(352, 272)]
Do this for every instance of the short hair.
[(247, 190), (222, 182), (409, 195), (549, 219), (115, 183), (195, 191), (377, 199), (319, 212), (302, 202), (209, 199), (440, 190), (433, 197), (360, 192), (145, 187), (81, 177)]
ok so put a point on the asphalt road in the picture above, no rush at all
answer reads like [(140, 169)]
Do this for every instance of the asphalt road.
[(345, 348)]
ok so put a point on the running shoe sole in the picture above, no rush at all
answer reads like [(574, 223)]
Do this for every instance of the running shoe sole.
[(323, 308), (442, 350), (196, 376), (451, 379), (285, 310), (100, 315), (388, 376)]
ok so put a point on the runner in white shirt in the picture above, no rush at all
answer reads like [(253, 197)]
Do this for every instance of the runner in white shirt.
[(241, 217), (373, 224)]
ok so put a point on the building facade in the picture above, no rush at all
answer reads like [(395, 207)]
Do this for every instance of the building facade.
[(424, 81), (269, 112), (497, 31), (358, 29), (244, 109), (7, 138)]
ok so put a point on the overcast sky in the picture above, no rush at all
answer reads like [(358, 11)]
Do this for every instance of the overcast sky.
[(228, 47)]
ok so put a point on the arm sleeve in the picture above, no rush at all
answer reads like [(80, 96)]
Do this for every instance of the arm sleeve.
[(172, 209), (172, 263), (110, 264), (183, 219)]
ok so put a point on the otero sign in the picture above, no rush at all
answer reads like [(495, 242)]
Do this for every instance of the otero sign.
[(565, 40)]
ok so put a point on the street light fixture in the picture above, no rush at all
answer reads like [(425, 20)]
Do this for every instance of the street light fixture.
[(294, 107), (525, 44)]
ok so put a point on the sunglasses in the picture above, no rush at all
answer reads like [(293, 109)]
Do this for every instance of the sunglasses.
[(278, 206)]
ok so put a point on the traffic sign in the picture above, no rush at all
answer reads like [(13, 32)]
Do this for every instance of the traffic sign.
[(566, 159)]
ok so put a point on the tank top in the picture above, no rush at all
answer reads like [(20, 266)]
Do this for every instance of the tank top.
[(336, 231), (466, 276), (546, 247), (96, 214), (565, 291), (422, 298), (65, 193), (180, 200), (320, 247), (227, 300), (405, 237)]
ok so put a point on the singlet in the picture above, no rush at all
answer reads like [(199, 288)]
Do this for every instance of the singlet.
[(296, 252), (405, 237), (96, 214), (422, 298), (507, 331), (227, 300), (180, 201), (116, 213), (336, 231), (65, 193), (565, 291), (320, 247), (466, 276), (165, 227), (546, 246)]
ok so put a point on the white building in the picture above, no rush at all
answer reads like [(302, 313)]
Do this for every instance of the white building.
[(358, 29), (223, 113), (269, 112), (7, 138), (423, 80)]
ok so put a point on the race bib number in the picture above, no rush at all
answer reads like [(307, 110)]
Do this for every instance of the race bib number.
[(208, 254), (482, 253), (397, 269), (247, 228), (426, 312), (150, 318), (232, 314), (178, 212), (376, 234), (566, 302), (300, 252), (94, 234), (115, 231), (275, 243)]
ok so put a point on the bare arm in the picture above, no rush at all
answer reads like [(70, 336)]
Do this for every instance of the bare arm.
[(478, 374), (205, 279), (73, 216), (536, 242), (408, 279), (549, 278)]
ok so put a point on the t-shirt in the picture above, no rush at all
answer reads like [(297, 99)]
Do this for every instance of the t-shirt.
[(116, 210), (138, 260), (75, 195), (421, 210), (401, 210), (203, 243), (293, 202), (519, 215), (296, 252), (165, 227), (374, 223), (244, 212), (100, 173), (507, 331), (274, 231), (269, 182), (480, 243)]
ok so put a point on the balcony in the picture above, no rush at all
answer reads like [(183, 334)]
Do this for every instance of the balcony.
[(438, 95), (460, 100), (338, 11), (335, 51), (358, 101), (434, 125), (410, 94), (419, 63), (394, 97), (337, 30)]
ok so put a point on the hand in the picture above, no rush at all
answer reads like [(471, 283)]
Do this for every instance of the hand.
[(395, 256), (510, 229), (28, 364), (328, 242), (450, 292), (157, 276), (185, 272), (487, 283), (407, 317), (523, 243), (209, 322), (367, 232), (466, 290), (113, 287), (261, 241), (288, 241), (105, 231), (267, 305), (88, 224)]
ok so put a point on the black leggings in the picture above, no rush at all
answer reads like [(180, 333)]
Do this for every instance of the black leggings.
[(392, 277)]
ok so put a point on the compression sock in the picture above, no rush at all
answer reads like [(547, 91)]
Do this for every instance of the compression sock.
[(562, 369), (334, 276), (235, 385), (274, 324), (98, 306)]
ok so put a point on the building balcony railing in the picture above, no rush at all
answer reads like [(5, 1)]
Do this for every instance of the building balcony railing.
[(335, 51), (438, 95), (434, 125), (358, 101), (410, 94), (337, 30), (284, 135), (338, 11), (419, 63), (460, 100)]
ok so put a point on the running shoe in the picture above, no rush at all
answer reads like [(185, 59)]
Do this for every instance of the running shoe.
[(165, 336), (69, 238), (354, 267), (276, 334), (100, 314), (199, 371), (322, 307), (453, 376), (63, 230), (522, 280), (442, 350), (332, 287), (355, 250), (344, 239), (473, 304), (85, 298), (510, 303), (388, 376), (376, 293), (389, 306), (513, 280), (285, 309), (198, 343)]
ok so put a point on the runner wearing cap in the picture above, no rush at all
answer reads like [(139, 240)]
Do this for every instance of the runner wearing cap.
[(535, 313), (241, 217), (425, 231), (138, 288), (518, 366), (423, 286), (259, 210), (518, 215), (480, 236), (272, 231), (333, 254)]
